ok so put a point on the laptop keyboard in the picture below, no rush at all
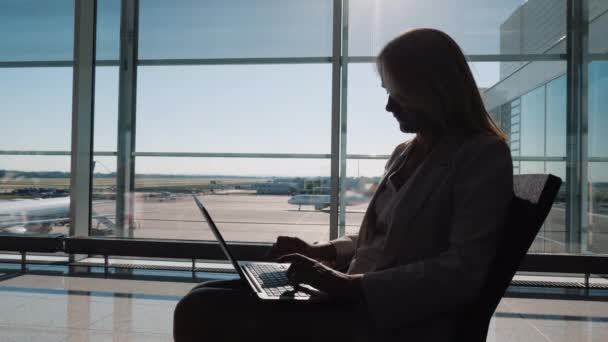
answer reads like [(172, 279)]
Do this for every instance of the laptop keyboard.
[(273, 280)]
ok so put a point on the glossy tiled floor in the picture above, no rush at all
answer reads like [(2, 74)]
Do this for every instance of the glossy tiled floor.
[(57, 308)]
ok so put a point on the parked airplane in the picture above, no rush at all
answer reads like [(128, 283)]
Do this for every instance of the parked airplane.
[(37, 216), (321, 202)]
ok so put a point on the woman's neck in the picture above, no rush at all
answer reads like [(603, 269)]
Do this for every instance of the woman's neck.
[(426, 141)]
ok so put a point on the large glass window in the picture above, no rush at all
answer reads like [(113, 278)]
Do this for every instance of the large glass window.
[(105, 135), (556, 117), (36, 30), (251, 199), (597, 170), (598, 157), (234, 108), (34, 194), (107, 45), (533, 123), (243, 109), (371, 129), (36, 51), (235, 29), (598, 108), (36, 108), (203, 95), (479, 27), (234, 102)]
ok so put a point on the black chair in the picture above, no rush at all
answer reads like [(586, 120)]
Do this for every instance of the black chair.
[(533, 198)]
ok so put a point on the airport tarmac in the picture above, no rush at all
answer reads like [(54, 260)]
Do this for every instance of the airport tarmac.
[(258, 218), (261, 218)]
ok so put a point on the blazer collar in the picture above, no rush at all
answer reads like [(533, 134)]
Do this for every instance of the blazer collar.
[(369, 216), (413, 194)]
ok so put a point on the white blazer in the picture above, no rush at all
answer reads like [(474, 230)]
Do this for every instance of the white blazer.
[(441, 238)]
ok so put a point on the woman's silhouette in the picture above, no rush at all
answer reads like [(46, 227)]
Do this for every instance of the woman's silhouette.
[(429, 234)]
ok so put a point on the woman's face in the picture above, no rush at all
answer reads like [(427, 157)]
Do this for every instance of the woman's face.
[(410, 119), (410, 111)]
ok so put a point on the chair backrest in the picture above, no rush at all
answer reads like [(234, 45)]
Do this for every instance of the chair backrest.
[(532, 201)]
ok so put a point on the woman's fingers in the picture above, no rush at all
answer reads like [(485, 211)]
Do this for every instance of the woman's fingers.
[(296, 258), (302, 270), (286, 245), (278, 248)]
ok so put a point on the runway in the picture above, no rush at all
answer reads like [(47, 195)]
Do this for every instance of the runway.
[(255, 218), (261, 218)]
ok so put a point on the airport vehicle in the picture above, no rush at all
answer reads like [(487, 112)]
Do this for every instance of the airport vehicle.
[(40, 192), (37, 216), (321, 202)]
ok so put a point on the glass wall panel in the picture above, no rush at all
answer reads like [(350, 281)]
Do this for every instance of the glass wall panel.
[(371, 129), (106, 109), (598, 109), (518, 104), (556, 118), (598, 24), (363, 177), (36, 112), (105, 133), (598, 155), (36, 30), (103, 220), (532, 137), (36, 108), (250, 199), (108, 30), (235, 28), (478, 26), (234, 108), (367, 117), (275, 108), (36, 116), (597, 185), (34, 194), (554, 230), (598, 207)]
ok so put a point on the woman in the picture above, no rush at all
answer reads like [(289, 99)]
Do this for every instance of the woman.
[(431, 230)]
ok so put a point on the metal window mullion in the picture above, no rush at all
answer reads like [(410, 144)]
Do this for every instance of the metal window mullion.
[(484, 58), (546, 115), (233, 155), (335, 119), (576, 153), (234, 61), (83, 91), (343, 120), (127, 92), (261, 155)]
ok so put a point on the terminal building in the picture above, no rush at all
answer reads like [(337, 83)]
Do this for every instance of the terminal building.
[(530, 104)]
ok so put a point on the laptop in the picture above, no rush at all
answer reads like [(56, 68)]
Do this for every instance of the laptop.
[(268, 280)]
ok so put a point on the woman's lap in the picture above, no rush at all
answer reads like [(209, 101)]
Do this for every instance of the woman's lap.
[(226, 310), (220, 284)]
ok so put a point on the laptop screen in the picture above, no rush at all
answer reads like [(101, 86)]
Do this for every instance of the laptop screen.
[(218, 236)]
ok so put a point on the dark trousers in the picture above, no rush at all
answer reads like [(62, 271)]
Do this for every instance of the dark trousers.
[(228, 311)]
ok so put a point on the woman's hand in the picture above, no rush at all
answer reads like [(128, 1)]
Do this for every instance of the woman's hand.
[(338, 285), (286, 245)]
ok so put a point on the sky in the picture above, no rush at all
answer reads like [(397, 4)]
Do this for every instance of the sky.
[(236, 108)]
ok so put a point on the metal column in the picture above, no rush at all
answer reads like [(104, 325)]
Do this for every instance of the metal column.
[(83, 90), (576, 148), (343, 120), (336, 88), (127, 93)]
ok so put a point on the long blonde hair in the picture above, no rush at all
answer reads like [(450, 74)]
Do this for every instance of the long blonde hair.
[(429, 63)]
